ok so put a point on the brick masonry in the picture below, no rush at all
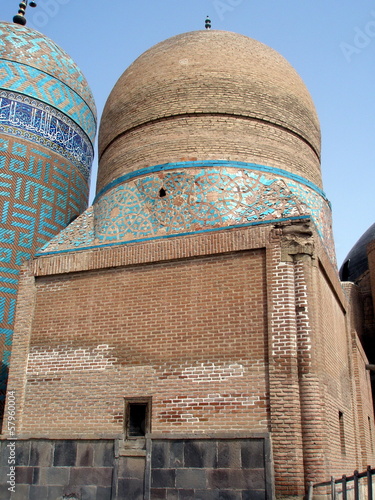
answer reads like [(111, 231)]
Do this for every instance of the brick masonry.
[(371, 261), (229, 332), (207, 138), (209, 95), (230, 322), (193, 379)]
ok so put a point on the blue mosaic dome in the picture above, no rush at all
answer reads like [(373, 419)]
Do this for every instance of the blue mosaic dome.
[(52, 96), (47, 131)]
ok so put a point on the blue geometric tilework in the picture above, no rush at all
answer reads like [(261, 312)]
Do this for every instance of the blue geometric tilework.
[(184, 200), (181, 201), (36, 50), (79, 234), (40, 194), (188, 165), (37, 122), (36, 84)]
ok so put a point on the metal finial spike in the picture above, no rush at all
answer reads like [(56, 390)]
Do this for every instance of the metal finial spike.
[(20, 17), (207, 23)]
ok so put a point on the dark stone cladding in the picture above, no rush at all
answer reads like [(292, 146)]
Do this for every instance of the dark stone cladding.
[(50, 470), (211, 468)]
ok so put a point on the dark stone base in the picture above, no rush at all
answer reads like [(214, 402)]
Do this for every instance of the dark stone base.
[(209, 469), (57, 470), (172, 469)]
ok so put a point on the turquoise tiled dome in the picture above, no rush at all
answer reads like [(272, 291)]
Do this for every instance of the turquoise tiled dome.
[(34, 67), (47, 131)]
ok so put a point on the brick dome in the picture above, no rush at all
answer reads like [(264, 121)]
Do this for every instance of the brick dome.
[(208, 95), (204, 131)]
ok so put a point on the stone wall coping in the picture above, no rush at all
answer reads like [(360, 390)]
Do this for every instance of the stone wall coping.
[(210, 435), (37, 439), (35, 436)]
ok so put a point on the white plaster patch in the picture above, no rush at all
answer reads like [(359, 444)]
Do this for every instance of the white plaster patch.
[(64, 358), (213, 372), (213, 400), (209, 372)]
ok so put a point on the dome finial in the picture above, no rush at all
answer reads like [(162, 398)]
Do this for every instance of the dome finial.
[(207, 24), (20, 17)]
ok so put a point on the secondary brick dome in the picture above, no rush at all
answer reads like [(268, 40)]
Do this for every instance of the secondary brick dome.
[(204, 131), (209, 95)]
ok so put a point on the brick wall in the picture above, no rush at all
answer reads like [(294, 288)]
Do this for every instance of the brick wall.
[(285, 407), (371, 265), (336, 382), (223, 339), (363, 397), (189, 333), (309, 346), (364, 407)]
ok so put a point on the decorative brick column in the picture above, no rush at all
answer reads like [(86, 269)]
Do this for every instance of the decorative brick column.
[(297, 418), (308, 338), (285, 409)]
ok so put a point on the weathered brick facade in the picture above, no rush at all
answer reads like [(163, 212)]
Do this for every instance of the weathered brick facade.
[(188, 337), (358, 273), (240, 331)]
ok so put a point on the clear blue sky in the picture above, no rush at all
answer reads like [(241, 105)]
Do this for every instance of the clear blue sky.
[(330, 43)]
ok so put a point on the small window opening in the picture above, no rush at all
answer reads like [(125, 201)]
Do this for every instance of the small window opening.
[(371, 436), (162, 193), (345, 271), (137, 417), (72, 219), (342, 433)]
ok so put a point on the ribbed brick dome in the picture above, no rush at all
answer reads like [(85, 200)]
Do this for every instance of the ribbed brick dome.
[(208, 95)]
